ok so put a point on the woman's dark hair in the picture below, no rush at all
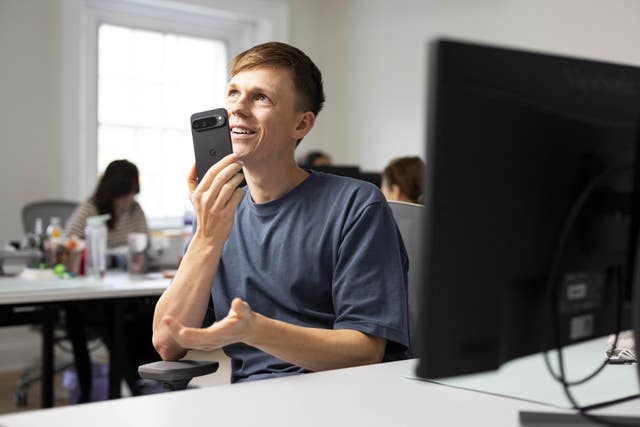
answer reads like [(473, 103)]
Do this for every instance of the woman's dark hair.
[(406, 173), (119, 179)]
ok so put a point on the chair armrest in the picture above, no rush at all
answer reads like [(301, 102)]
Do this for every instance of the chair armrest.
[(176, 375)]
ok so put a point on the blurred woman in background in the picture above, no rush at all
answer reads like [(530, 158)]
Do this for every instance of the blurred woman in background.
[(402, 180), (114, 195)]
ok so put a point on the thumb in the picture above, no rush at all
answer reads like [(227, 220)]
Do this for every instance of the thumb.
[(239, 306), (192, 180)]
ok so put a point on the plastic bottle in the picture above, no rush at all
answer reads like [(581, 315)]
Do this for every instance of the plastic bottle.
[(54, 230), (95, 234), (40, 238), (38, 232), (33, 239)]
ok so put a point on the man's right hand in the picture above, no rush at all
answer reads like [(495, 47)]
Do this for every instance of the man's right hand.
[(216, 198)]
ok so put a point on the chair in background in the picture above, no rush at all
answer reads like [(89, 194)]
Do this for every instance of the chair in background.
[(408, 218), (46, 209)]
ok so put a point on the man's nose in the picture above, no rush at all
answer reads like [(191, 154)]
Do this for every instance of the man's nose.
[(239, 107)]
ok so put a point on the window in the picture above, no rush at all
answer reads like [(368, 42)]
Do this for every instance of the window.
[(120, 62), (149, 84)]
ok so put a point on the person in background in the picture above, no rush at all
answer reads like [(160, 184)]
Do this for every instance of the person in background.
[(114, 195), (315, 158), (402, 180)]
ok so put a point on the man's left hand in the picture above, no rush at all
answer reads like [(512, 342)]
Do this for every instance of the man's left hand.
[(235, 327)]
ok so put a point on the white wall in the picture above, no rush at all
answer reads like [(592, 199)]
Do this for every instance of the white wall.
[(29, 108), (375, 54), (371, 52)]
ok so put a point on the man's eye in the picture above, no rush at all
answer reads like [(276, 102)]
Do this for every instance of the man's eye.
[(232, 93), (262, 98)]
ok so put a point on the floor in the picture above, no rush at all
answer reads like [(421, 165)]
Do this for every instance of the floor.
[(8, 380), (8, 387)]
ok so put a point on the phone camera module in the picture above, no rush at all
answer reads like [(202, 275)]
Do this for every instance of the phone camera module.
[(208, 123)]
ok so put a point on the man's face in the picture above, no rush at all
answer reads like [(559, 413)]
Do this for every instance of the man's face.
[(262, 115)]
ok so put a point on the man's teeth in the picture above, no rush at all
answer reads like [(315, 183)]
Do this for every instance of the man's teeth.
[(241, 130)]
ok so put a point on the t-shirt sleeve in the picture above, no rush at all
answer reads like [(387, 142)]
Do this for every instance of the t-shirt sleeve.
[(370, 279), (140, 220)]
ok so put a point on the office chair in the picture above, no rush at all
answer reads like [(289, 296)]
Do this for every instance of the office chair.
[(175, 375), (46, 209), (408, 218)]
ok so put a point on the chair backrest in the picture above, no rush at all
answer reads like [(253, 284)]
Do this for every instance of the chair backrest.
[(408, 217), (46, 209)]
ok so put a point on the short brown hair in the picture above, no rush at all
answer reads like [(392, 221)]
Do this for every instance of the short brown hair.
[(406, 173), (307, 78)]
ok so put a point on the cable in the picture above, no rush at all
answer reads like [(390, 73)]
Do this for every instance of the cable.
[(616, 334), (551, 287), (552, 298)]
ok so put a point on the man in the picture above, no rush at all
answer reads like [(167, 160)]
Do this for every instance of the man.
[(306, 270)]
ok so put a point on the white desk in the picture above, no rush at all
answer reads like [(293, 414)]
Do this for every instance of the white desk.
[(14, 290), (377, 395), (34, 301), (534, 383)]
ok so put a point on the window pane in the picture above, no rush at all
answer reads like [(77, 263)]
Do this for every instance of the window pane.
[(149, 84)]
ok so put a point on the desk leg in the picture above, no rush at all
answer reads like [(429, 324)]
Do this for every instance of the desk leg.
[(116, 349), (75, 324), (47, 358)]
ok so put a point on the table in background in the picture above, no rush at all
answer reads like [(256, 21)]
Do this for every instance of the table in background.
[(27, 301)]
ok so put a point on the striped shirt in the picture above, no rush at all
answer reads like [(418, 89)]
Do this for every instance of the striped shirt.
[(129, 220)]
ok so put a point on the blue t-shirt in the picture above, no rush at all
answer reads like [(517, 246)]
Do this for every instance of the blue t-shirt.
[(325, 255)]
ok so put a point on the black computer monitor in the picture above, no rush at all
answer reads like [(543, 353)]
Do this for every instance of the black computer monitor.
[(514, 140), (350, 171)]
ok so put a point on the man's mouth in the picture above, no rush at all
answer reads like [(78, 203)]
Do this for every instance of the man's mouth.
[(242, 131)]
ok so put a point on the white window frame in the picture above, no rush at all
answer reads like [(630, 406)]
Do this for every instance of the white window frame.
[(240, 24)]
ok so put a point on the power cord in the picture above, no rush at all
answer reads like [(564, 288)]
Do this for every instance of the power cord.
[(552, 300)]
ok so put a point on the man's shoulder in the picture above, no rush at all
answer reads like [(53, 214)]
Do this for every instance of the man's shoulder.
[(346, 188), (136, 206)]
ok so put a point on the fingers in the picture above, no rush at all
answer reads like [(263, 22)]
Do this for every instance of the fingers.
[(215, 169), (211, 187), (236, 198), (238, 305), (191, 338), (173, 325), (192, 179), (228, 190)]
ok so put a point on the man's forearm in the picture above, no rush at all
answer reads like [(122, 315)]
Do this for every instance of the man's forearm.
[(313, 348), (188, 296)]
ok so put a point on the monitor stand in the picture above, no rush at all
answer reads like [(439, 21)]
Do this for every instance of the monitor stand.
[(559, 419)]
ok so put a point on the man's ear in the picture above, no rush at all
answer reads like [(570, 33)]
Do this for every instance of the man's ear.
[(305, 124)]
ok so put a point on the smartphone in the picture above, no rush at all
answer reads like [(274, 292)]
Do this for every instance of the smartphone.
[(211, 138)]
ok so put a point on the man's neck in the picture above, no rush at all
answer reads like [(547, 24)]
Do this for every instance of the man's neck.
[(268, 183)]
